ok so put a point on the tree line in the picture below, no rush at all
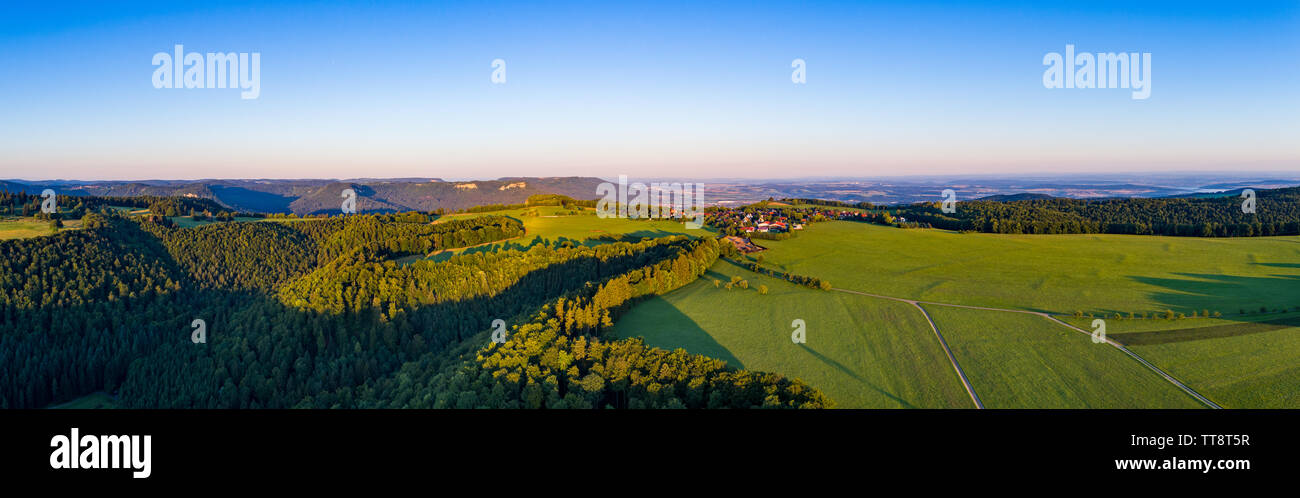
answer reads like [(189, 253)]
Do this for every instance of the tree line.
[(558, 359), (1277, 212), (109, 307)]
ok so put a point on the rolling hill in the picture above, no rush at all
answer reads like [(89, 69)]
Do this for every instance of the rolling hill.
[(323, 196)]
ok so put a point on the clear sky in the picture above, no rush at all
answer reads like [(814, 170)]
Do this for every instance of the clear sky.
[(370, 89)]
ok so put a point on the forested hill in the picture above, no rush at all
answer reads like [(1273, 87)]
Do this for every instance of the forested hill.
[(319, 313), (304, 197), (1277, 212)]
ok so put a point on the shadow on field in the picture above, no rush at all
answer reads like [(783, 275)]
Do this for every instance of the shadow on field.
[(1280, 265), (1228, 294), (840, 366), (1260, 304), (672, 329), (1212, 332)]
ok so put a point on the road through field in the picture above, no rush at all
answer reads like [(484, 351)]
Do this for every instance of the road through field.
[(966, 382), (961, 374)]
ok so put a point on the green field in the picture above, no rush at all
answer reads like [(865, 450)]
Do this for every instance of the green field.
[(1017, 360), (1118, 329), (1013, 360), (1244, 362), (862, 352), (553, 224), (22, 228), (1054, 273)]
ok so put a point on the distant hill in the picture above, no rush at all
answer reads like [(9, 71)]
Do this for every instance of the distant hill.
[(315, 196), (1026, 196), (427, 196)]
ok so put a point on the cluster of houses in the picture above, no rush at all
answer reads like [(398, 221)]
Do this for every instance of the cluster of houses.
[(777, 221), (774, 227), (771, 221), (863, 216)]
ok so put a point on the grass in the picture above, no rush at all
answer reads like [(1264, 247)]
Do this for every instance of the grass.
[(1160, 323), (1054, 273), (1239, 361), (1015, 360), (862, 352), (22, 228), (553, 224), (1248, 369)]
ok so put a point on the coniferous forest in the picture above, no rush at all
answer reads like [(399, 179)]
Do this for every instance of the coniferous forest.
[(1276, 212), (346, 312)]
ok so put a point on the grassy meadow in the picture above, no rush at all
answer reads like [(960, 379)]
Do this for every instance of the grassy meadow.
[(1242, 361), (1017, 360), (886, 356), (22, 228), (1051, 273), (554, 224), (862, 352)]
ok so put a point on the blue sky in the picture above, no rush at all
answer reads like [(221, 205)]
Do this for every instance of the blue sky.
[(369, 89)]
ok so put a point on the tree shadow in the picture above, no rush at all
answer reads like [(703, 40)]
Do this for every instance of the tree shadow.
[(1229, 294), (847, 371), (1258, 303), (673, 329), (1279, 265), (260, 351)]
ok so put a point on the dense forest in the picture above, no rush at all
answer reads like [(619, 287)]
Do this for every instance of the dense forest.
[(347, 311), (1277, 212), (557, 359)]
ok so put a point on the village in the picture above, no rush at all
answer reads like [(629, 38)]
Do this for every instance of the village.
[(765, 218), (779, 221)]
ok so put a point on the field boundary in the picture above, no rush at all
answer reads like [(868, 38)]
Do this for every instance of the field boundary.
[(1148, 364), (1190, 392), (951, 358)]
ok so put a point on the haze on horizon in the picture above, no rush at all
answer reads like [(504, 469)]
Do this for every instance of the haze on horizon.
[(358, 90)]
